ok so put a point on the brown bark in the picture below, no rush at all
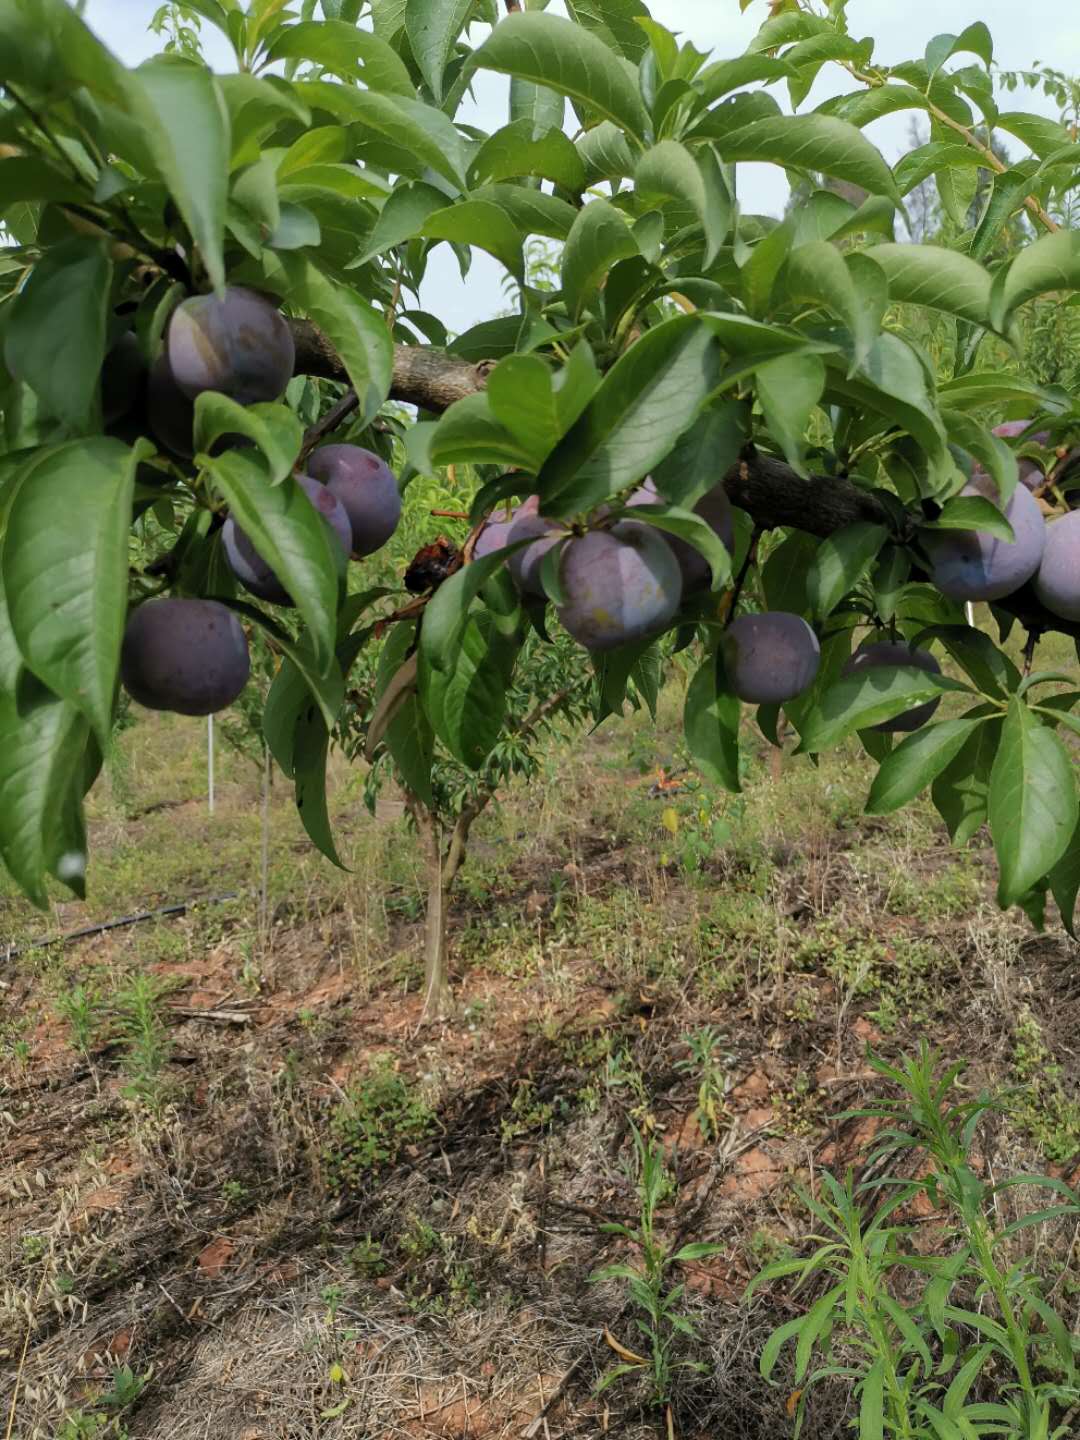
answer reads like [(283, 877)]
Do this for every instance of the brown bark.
[(430, 379)]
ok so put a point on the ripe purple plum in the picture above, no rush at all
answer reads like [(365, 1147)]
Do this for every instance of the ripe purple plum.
[(872, 654), (714, 507), (524, 565), (367, 488), (1030, 475), (169, 412), (770, 657), (188, 656), (238, 344), (972, 565), (619, 585), (1058, 582), (252, 570)]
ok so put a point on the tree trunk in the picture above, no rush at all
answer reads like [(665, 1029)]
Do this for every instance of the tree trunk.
[(437, 999)]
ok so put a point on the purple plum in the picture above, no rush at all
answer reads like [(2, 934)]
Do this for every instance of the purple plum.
[(1030, 475), (619, 585), (524, 565), (252, 570), (874, 653), (238, 343), (368, 489), (169, 412), (188, 656), (770, 657), (1057, 583), (714, 507), (972, 565)]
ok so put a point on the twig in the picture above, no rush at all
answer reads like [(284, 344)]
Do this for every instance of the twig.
[(335, 416), (740, 579), (1033, 638)]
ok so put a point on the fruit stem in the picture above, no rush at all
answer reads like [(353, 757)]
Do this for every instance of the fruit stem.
[(335, 416), (740, 579)]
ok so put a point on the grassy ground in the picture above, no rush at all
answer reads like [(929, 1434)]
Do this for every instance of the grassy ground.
[(231, 1162)]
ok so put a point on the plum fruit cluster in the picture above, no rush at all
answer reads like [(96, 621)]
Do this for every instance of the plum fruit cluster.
[(191, 656)]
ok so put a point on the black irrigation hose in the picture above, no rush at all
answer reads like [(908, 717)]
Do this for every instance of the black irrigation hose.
[(13, 951)]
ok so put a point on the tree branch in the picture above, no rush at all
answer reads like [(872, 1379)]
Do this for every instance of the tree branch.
[(766, 488), (429, 379)]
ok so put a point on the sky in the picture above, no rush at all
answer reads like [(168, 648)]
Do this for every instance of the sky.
[(1047, 30)]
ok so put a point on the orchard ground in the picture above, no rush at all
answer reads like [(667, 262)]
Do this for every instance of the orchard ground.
[(263, 1187)]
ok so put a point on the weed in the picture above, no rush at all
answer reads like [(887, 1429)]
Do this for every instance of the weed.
[(367, 1257), (527, 1113), (649, 1282), (916, 1361), (139, 1012), (83, 1012), (372, 1124), (710, 1065)]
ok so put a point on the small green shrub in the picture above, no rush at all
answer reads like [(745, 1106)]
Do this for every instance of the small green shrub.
[(372, 1124)]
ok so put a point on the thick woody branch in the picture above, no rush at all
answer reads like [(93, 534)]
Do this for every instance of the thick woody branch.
[(426, 378), (768, 490)]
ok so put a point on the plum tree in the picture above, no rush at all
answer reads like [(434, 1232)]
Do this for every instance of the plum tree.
[(188, 656), (715, 509), (237, 343), (366, 487), (619, 585), (888, 654), (770, 657), (975, 565), (249, 567), (1057, 583)]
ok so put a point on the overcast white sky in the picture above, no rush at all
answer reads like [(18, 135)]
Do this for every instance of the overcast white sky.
[(1047, 30)]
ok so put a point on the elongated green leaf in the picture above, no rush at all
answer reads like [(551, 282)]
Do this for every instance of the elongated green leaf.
[(1033, 807), (55, 331), (649, 397), (867, 698), (598, 239), (817, 143), (1065, 882), (919, 164), (872, 1403), (719, 79), (447, 613), (671, 170), (186, 124), (614, 22), (1051, 263), (356, 329), (842, 559), (605, 152), (275, 429), (938, 278), (849, 286), (23, 178), (522, 395), (43, 746), (421, 130), (521, 149), (402, 217), (433, 27), (311, 747), (917, 761), (972, 512), (992, 452), (961, 791), (347, 51), (708, 449), (788, 389), (470, 433), (65, 566), (711, 724), (466, 704), (478, 222), (556, 53), (291, 537)]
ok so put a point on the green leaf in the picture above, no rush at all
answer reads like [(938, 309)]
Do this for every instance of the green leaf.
[(34, 180), (711, 724), (186, 125), (544, 109), (466, 704), (480, 223), (432, 27), (1033, 806), (788, 390), (1065, 882), (311, 747), (817, 143), (614, 22), (534, 212), (275, 429), (65, 568), (719, 79), (356, 329), (402, 217), (421, 130), (937, 278), (605, 152), (347, 51), (961, 791), (291, 537), (992, 452), (919, 164), (972, 512), (521, 149), (987, 667), (707, 450), (917, 761), (42, 761), (770, 1351), (469, 433), (1050, 263), (648, 398), (865, 699), (55, 330), (842, 560), (850, 286), (521, 394), (694, 530), (447, 613), (558, 54), (872, 1403), (598, 239), (671, 170)]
